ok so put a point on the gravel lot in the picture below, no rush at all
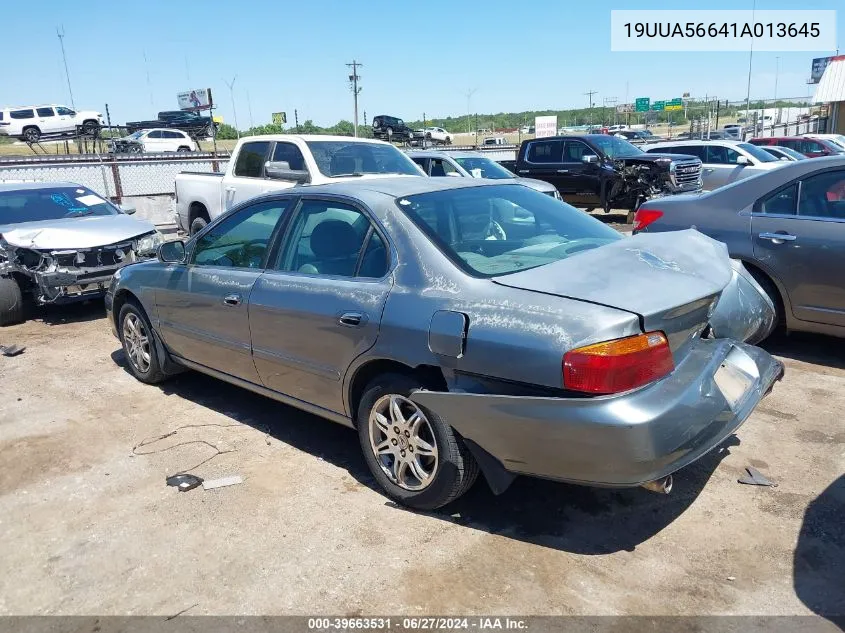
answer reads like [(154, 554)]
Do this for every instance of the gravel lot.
[(90, 528)]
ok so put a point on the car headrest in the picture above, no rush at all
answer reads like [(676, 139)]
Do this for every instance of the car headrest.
[(334, 238)]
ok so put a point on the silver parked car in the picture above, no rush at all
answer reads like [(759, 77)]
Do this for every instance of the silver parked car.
[(60, 242), (474, 165), (722, 162), (787, 226), (461, 324)]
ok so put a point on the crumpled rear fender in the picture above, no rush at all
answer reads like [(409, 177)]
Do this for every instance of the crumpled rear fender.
[(744, 311)]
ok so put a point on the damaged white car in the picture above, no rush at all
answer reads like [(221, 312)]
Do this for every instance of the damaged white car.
[(61, 242)]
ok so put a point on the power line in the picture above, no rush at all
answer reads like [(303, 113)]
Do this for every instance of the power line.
[(61, 36), (353, 80)]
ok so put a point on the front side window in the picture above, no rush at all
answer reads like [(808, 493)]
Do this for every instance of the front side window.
[(545, 151), (574, 151), (62, 111), (241, 240), (811, 147), (290, 154), (501, 229), (45, 112), (51, 203), (442, 167), (823, 195), (169, 134), (760, 154), (327, 238), (781, 202), (342, 158), (22, 114), (720, 155), (251, 159), (484, 168)]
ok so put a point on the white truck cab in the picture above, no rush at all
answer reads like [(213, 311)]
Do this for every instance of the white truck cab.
[(261, 164)]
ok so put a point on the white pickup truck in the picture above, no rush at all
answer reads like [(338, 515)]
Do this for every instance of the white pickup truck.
[(260, 164)]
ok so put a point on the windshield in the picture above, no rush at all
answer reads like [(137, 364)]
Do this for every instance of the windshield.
[(51, 203), (837, 140), (137, 135), (501, 229), (615, 147), (342, 158), (756, 152), (486, 168)]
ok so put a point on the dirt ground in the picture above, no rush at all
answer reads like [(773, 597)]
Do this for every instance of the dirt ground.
[(88, 527)]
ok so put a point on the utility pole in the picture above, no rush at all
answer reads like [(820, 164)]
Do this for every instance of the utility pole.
[(469, 96), (296, 119), (611, 101), (777, 71), (61, 36), (750, 57), (589, 94), (231, 85), (249, 107), (149, 84), (353, 80)]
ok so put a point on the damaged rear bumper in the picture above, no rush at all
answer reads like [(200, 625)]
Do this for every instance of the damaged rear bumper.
[(620, 440)]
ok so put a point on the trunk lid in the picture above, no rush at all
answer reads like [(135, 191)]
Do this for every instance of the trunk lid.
[(670, 280)]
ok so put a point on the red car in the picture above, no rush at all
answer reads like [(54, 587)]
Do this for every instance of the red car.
[(810, 147)]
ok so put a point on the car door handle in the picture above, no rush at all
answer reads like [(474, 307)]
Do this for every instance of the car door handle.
[(232, 300), (778, 238), (709, 170), (563, 171), (230, 189), (352, 319)]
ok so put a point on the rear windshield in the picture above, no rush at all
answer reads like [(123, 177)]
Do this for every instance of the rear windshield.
[(51, 203), (341, 158), (761, 155), (501, 229)]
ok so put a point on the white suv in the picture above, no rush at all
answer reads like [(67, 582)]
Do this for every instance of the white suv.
[(31, 123), (156, 140)]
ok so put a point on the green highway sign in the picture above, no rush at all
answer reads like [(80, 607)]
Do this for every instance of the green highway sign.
[(674, 104), (657, 106), (642, 104)]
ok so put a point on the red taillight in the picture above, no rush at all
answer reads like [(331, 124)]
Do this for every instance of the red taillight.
[(644, 217), (618, 365)]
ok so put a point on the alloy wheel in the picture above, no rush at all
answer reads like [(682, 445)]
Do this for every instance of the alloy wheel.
[(137, 343), (402, 442)]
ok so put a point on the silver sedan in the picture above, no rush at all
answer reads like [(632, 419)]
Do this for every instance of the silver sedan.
[(461, 325), (787, 226)]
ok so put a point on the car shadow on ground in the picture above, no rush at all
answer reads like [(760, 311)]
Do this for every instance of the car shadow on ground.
[(817, 349), (819, 561), (70, 313), (565, 517)]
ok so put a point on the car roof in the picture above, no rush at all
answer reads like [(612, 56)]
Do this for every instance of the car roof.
[(717, 141), (393, 187), (312, 137), (11, 185)]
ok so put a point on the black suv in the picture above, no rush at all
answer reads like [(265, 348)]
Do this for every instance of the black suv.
[(390, 128)]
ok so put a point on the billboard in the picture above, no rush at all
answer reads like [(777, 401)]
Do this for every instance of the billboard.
[(817, 69), (545, 126), (197, 99), (279, 118), (624, 108)]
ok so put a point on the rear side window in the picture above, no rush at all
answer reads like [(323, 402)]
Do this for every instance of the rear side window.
[(155, 134), (169, 134), (251, 159), (545, 152), (45, 112), (22, 114)]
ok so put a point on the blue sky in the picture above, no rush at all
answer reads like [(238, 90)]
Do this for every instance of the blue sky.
[(418, 57)]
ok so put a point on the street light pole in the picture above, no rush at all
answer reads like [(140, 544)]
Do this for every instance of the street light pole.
[(469, 96), (61, 35), (777, 71), (590, 94), (750, 57), (234, 110)]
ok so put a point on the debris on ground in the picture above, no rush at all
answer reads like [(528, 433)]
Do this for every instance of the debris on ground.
[(11, 350), (184, 481), (231, 480), (755, 478)]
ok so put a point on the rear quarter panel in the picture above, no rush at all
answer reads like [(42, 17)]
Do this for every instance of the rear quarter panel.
[(202, 189)]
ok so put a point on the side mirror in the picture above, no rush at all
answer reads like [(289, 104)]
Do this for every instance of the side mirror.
[(280, 170), (590, 159), (742, 160), (172, 252), (454, 174), (128, 209)]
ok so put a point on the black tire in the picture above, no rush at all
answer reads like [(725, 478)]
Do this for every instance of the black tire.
[(389, 133), (11, 302), (183, 149), (31, 134), (152, 374), (456, 469), (90, 127), (197, 225)]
